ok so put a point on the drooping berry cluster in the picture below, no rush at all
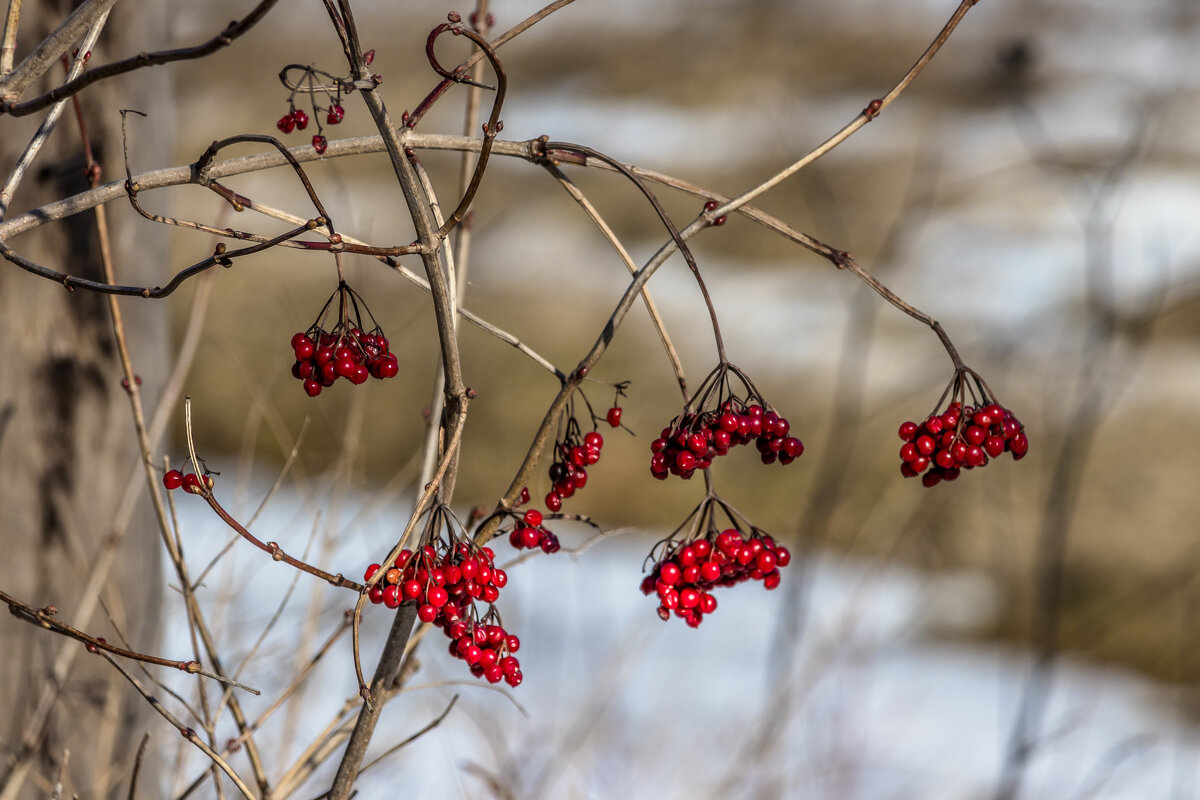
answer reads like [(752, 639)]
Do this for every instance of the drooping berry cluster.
[(343, 351), (575, 454), (575, 451), (530, 533), (297, 119), (190, 482), (702, 432), (960, 437), (685, 572), (445, 581)]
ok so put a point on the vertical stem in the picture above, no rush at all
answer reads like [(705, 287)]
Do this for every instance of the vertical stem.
[(8, 49)]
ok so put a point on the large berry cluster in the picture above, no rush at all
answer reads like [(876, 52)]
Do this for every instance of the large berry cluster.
[(959, 438), (445, 581), (530, 533), (692, 441), (963, 436), (716, 420), (684, 576), (343, 351)]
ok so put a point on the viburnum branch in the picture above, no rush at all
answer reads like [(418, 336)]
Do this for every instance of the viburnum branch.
[(45, 618), (275, 551), (59, 41), (479, 55), (24, 75)]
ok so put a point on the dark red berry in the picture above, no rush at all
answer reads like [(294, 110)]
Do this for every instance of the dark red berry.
[(173, 479), (614, 416)]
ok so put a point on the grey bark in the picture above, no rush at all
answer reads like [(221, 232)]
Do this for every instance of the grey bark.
[(67, 445)]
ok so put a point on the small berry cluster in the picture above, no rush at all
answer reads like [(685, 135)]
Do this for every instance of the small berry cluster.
[(190, 482), (297, 120), (445, 581), (685, 575), (529, 533), (963, 436), (575, 451), (568, 473), (344, 351), (697, 436)]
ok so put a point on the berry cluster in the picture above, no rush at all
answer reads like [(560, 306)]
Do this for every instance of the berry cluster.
[(692, 441), (297, 120), (190, 482), (697, 436), (685, 575), (529, 533), (343, 351), (574, 453), (445, 581), (963, 436)]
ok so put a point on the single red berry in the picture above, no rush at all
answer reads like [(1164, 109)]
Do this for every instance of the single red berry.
[(614, 416), (319, 144), (553, 501), (533, 518), (593, 441), (300, 118), (173, 479), (312, 388), (427, 613), (286, 124), (335, 115)]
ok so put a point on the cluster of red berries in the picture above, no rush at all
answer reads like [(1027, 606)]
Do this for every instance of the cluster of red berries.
[(344, 351), (684, 577), (692, 441), (190, 482), (574, 453), (529, 533), (298, 120), (444, 582), (959, 438), (324, 356)]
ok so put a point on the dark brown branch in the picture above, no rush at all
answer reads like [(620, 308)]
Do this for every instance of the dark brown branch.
[(45, 618), (221, 40)]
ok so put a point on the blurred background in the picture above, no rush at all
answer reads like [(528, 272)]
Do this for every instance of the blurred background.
[(1035, 190)]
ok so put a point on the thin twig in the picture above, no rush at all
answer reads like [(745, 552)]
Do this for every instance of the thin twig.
[(185, 731)]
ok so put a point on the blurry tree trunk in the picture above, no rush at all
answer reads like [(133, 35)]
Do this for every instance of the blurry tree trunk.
[(67, 444)]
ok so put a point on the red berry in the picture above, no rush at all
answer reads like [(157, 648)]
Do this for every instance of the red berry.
[(173, 479), (319, 143), (533, 518), (427, 613), (312, 388), (300, 118), (553, 501), (336, 112), (614, 416), (593, 441), (286, 124)]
